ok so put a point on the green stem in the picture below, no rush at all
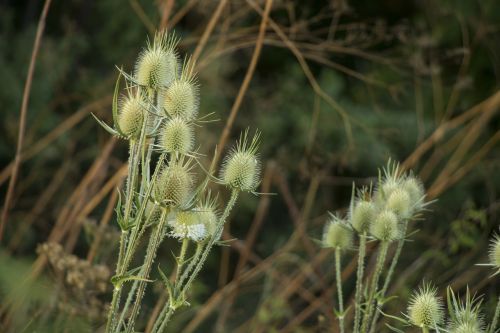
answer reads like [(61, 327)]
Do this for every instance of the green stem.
[(154, 243), (182, 255), (374, 285), (199, 264), (388, 277), (495, 317), (359, 281), (339, 290), (425, 330)]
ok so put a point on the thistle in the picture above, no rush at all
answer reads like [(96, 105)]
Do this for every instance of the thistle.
[(174, 185), (131, 116), (157, 65), (425, 309), (181, 99), (241, 167), (337, 234), (176, 136), (385, 227), (362, 215)]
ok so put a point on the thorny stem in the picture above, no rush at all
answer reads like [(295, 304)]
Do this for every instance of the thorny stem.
[(339, 290), (182, 255), (388, 277), (169, 309), (359, 280), (374, 285), (425, 330), (495, 317), (155, 240)]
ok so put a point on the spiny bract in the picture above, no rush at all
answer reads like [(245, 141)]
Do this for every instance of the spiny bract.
[(385, 226), (337, 235), (494, 252), (131, 116), (177, 136), (425, 308), (362, 215)]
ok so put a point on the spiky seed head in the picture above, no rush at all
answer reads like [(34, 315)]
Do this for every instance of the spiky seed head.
[(207, 215), (181, 99), (385, 227), (337, 234), (186, 224), (425, 309), (399, 202), (177, 136), (494, 252), (157, 65), (466, 327), (174, 185), (362, 215), (131, 116), (241, 168), (415, 189)]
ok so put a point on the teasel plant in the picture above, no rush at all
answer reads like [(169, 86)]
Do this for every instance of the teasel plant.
[(157, 115)]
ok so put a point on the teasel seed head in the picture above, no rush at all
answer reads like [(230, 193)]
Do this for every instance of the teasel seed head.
[(181, 99), (174, 185), (494, 252), (186, 224), (425, 309), (385, 226), (337, 234), (157, 65), (176, 136), (400, 203), (241, 168), (466, 327), (131, 115), (362, 215), (415, 189)]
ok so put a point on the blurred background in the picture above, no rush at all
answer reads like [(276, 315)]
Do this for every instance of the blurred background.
[(338, 88)]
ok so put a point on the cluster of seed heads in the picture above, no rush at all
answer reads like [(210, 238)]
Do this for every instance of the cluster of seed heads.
[(397, 198), (161, 105)]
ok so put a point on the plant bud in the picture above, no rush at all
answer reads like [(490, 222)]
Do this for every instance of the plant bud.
[(425, 308), (173, 187), (177, 136), (157, 65), (362, 215), (131, 116), (466, 327), (415, 190), (187, 225), (241, 168), (400, 203), (337, 235), (385, 226)]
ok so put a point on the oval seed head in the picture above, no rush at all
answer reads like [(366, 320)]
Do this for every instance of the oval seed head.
[(494, 252), (177, 136), (337, 235), (131, 116), (174, 185), (157, 65), (466, 327), (399, 202), (187, 225), (362, 215), (207, 215), (241, 168), (181, 99), (385, 226), (425, 308)]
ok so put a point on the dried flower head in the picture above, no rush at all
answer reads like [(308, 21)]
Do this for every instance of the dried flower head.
[(157, 65), (385, 227), (186, 224), (337, 234), (131, 115), (425, 308), (175, 184), (241, 168), (177, 136), (362, 215)]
